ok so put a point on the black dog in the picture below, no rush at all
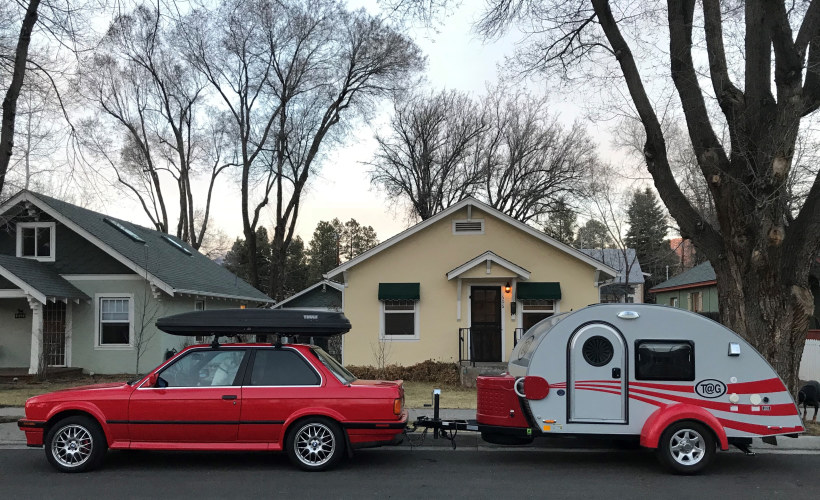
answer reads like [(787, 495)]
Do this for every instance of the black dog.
[(809, 395)]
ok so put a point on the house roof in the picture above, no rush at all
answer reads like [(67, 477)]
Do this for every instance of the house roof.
[(472, 202), (325, 283), (489, 256), (614, 257), (700, 275), (165, 261), (39, 280)]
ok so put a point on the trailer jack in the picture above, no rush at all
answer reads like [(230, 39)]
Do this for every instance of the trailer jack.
[(743, 444)]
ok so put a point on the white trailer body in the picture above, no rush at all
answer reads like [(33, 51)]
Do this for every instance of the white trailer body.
[(674, 378)]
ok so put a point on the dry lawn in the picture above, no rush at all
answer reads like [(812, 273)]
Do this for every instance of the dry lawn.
[(16, 393), (417, 394)]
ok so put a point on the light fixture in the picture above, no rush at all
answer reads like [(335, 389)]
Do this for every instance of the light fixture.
[(507, 288)]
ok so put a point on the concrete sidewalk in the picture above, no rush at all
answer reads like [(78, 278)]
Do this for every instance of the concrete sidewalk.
[(12, 437)]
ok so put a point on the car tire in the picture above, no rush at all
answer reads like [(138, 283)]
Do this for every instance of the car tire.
[(75, 444), (686, 447), (315, 444)]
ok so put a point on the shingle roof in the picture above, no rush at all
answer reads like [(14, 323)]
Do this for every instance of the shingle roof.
[(39, 277), (614, 257), (701, 273), (194, 273)]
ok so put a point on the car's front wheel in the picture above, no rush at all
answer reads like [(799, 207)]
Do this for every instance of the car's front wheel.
[(75, 444), (315, 444)]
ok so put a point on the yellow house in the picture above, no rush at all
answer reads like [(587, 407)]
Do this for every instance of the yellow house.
[(459, 286)]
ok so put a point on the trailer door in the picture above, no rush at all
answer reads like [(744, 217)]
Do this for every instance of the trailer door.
[(597, 375)]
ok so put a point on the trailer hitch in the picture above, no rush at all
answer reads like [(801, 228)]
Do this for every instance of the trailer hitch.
[(441, 429)]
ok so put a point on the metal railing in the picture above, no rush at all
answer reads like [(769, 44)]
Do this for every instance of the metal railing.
[(462, 337)]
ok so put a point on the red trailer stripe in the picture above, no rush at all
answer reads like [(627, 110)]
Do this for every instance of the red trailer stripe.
[(761, 430), (779, 410), (664, 387), (757, 387)]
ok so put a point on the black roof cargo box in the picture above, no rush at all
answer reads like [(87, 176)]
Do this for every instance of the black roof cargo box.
[(255, 321)]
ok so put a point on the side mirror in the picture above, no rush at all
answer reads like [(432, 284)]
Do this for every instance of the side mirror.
[(151, 381)]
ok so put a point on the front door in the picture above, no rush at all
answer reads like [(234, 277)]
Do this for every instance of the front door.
[(485, 323), (54, 321), (597, 378)]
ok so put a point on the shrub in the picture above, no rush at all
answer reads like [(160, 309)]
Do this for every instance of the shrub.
[(426, 371)]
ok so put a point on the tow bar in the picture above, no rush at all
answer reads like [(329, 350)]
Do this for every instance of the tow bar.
[(444, 429)]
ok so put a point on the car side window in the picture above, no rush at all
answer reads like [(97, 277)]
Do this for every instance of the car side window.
[(282, 367), (203, 368)]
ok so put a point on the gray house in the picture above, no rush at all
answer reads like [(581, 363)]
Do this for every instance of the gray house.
[(628, 285), (82, 289)]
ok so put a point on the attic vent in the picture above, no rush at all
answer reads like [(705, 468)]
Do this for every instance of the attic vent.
[(474, 226), (124, 230), (176, 244)]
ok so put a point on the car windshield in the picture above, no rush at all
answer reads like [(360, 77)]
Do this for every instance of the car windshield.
[(338, 370)]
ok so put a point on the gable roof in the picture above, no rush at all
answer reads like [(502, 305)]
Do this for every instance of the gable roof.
[(166, 262), (326, 283), (700, 275), (489, 256), (39, 280), (614, 257), (472, 202)]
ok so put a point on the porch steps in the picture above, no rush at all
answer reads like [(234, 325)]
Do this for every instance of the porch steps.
[(470, 373)]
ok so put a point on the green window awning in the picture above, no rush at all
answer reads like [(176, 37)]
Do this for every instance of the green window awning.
[(534, 290), (398, 291)]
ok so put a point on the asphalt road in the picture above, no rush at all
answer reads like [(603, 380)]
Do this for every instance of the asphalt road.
[(404, 473)]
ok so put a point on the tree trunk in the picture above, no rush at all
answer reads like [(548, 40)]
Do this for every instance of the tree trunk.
[(13, 92)]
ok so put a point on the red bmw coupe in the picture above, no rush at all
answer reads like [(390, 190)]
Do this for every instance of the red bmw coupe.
[(225, 397)]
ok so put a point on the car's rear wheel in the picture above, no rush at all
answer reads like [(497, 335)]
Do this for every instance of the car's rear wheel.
[(686, 447), (315, 444), (75, 444)]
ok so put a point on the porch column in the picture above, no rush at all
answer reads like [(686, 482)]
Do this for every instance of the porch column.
[(36, 335)]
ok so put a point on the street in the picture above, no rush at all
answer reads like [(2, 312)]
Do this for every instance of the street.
[(405, 473)]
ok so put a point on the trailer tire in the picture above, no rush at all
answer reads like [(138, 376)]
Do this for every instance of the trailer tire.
[(686, 447)]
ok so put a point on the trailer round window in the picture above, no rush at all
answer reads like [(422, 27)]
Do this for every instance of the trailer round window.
[(598, 351)]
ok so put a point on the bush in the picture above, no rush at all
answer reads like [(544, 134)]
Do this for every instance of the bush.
[(426, 371)]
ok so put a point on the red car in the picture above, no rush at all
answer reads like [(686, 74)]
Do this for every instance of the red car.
[(223, 397)]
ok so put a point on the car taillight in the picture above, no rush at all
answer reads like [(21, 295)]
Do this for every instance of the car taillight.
[(398, 405)]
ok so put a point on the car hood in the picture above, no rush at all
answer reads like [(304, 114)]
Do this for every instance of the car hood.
[(81, 392)]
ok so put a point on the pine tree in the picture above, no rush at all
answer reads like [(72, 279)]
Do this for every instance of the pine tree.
[(236, 260), (561, 223), (593, 234), (356, 239), (648, 226), (324, 249)]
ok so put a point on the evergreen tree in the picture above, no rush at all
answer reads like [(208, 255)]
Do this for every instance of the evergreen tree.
[(296, 268), (236, 260), (593, 234), (561, 223), (648, 226), (324, 249), (356, 239)]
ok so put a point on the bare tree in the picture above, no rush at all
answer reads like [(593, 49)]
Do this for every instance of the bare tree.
[(290, 74), (530, 161), (147, 92), (427, 158)]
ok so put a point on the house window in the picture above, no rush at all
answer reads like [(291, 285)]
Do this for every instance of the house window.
[(665, 360), (400, 319), (673, 302), (115, 321), (35, 240), (534, 310)]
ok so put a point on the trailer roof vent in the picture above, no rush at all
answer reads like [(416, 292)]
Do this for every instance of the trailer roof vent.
[(598, 351), (473, 226)]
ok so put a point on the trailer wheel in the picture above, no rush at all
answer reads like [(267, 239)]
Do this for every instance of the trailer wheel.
[(686, 447), (315, 444)]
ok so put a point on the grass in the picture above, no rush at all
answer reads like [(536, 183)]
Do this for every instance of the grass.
[(16, 393), (417, 394)]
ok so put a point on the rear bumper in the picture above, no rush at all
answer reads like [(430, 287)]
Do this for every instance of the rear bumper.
[(372, 434), (33, 430)]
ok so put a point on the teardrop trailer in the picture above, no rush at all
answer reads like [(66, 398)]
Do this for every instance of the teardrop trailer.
[(677, 381)]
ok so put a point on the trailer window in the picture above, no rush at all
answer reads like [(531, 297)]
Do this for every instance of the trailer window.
[(665, 360)]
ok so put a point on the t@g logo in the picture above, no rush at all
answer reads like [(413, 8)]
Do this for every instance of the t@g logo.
[(710, 388)]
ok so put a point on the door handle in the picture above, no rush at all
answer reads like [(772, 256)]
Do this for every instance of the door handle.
[(616, 373), (229, 396)]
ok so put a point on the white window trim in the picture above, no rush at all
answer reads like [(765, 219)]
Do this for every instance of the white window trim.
[(52, 243), (97, 340), (400, 338), (519, 323)]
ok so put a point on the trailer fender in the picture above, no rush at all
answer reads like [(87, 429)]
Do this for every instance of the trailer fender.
[(664, 417)]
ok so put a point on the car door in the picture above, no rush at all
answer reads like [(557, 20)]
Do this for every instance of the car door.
[(197, 399), (278, 382)]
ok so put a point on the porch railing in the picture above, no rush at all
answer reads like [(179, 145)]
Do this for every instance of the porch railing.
[(463, 333)]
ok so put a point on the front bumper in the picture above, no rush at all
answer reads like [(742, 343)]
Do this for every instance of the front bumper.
[(33, 430)]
